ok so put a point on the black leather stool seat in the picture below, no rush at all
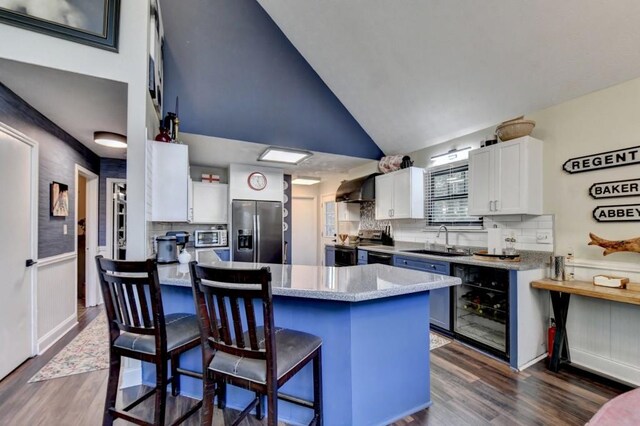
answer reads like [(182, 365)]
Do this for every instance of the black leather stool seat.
[(291, 348), (181, 329)]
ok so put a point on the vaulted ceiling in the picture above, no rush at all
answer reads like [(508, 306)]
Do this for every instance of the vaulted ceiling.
[(417, 72)]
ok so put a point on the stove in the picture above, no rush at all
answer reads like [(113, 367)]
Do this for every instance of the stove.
[(347, 254)]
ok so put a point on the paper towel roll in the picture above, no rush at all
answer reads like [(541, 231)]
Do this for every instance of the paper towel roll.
[(494, 240)]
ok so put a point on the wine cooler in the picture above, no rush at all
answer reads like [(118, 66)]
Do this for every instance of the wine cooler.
[(481, 308)]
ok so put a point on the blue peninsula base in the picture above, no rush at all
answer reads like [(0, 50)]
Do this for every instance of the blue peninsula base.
[(375, 357)]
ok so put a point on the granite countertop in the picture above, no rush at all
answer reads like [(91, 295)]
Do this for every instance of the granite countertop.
[(347, 284), (529, 260)]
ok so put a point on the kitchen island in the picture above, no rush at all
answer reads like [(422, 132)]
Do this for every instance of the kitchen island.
[(373, 321)]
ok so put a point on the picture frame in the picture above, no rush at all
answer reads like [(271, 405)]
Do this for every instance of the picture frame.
[(59, 199), (91, 22)]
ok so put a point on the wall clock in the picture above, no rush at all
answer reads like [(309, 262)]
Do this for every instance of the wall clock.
[(257, 181)]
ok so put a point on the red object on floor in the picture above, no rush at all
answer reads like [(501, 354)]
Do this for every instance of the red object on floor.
[(551, 335)]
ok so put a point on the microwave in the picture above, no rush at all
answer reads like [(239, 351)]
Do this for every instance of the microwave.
[(210, 238)]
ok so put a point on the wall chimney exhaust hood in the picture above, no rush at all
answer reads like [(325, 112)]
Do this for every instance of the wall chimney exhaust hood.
[(357, 190)]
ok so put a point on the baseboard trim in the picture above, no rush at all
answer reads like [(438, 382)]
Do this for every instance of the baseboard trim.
[(533, 361), (617, 371), (131, 377), (49, 339)]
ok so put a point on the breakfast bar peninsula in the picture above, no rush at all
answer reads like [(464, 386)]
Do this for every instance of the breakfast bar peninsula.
[(374, 325)]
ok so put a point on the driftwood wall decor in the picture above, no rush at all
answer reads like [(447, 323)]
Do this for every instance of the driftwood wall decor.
[(632, 244)]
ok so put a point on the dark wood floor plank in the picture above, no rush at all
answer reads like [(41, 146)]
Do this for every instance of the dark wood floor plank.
[(467, 387)]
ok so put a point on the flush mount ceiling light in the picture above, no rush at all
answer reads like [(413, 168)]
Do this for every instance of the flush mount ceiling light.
[(302, 180), (111, 140), (451, 156), (284, 155)]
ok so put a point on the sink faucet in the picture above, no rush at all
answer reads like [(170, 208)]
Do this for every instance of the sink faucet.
[(446, 237)]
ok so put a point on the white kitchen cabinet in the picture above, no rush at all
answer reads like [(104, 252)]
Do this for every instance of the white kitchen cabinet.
[(400, 194), (348, 212), (169, 182), (506, 178), (209, 202)]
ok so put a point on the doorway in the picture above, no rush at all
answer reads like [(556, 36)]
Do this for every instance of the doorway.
[(116, 229), (329, 221), (86, 219), (304, 217), (81, 241), (18, 226)]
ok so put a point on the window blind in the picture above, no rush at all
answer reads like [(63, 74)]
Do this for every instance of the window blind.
[(448, 196)]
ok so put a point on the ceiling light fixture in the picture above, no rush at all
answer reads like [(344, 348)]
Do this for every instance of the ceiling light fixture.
[(111, 140), (451, 156), (284, 155), (302, 180)]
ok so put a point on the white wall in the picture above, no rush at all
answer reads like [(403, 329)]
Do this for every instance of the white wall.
[(239, 188), (129, 65)]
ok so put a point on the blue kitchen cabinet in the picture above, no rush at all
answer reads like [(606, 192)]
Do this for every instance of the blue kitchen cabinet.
[(440, 299), (362, 257), (329, 256), (224, 254)]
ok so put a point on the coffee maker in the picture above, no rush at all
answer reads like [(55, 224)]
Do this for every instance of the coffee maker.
[(167, 249), (170, 246)]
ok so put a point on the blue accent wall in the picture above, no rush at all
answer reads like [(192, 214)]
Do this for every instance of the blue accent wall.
[(59, 152), (109, 168), (239, 77)]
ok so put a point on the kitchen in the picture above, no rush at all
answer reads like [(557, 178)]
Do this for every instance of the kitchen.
[(570, 124)]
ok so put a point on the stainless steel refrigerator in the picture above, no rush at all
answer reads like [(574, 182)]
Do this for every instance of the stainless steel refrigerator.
[(256, 230)]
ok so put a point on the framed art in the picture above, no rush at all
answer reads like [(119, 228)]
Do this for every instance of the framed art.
[(59, 199), (91, 22)]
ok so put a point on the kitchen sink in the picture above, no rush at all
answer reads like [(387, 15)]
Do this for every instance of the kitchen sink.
[(437, 253)]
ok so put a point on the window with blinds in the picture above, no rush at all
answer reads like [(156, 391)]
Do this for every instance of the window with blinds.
[(448, 197)]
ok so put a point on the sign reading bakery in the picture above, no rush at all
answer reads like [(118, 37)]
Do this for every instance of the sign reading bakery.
[(619, 213), (604, 160), (616, 188)]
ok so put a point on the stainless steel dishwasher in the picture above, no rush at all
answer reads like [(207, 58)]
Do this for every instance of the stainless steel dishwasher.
[(377, 257)]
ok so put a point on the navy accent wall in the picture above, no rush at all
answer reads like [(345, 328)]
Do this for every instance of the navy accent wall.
[(239, 77), (59, 152), (109, 168)]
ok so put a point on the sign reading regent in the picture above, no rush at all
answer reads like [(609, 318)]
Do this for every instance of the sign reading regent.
[(619, 213), (604, 160), (615, 189)]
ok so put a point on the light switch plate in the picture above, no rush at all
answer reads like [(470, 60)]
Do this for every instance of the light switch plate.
[(544, 237), (64, 229)]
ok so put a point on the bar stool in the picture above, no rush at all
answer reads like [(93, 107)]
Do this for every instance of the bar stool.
[(262, 358), (139, 329)]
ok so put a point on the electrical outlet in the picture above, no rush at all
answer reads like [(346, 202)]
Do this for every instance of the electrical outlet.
[(64, 229), (543, 237)]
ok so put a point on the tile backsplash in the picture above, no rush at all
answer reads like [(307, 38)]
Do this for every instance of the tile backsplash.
[(160, 228), (522, 227)]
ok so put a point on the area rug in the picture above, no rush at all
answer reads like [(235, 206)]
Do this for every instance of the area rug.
[(436, 341), (89, 351)]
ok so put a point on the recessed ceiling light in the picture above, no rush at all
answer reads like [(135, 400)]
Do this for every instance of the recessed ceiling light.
[(111, 140), (305, 180), (284, 155)]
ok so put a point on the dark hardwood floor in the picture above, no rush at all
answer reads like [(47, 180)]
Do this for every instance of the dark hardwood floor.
[(467, 388)]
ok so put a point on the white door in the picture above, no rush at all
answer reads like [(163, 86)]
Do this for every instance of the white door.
[(509, 168), (384, 196), (16, 215), (304, 231), (481, 181), (329, 220)]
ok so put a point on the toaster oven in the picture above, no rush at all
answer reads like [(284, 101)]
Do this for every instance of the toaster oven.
[(210, 238)]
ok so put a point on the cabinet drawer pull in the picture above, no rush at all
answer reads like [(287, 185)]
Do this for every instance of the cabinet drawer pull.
[(495, 205), (491, 205)]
